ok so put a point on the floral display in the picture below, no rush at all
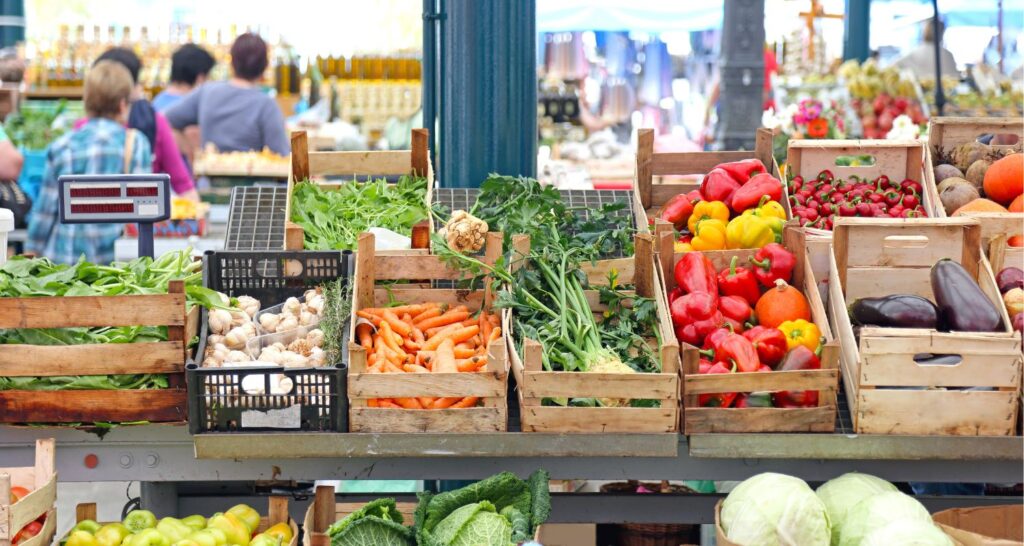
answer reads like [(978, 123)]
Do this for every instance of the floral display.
[(810, 118)]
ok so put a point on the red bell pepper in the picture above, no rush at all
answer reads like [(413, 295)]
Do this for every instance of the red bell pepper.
[(694, 316), (695, 273), (761, 399), (770, 344), (675, 293), (704, 366), (742, 170), (773, 262), (739, 281), (714, 338), (800, 358), (740, 351), (735, 308), (750, 194), (718, 399), (678, 209), (718, 185)]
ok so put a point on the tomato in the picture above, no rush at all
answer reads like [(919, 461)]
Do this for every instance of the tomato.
[(18, 493), (28, 531)]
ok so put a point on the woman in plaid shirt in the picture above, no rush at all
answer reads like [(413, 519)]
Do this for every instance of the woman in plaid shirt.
[(101, 146)]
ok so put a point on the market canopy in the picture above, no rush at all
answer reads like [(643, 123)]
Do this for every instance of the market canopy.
[(637, 15)]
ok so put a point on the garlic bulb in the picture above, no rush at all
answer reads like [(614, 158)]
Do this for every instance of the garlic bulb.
[(237, 337), (308, 295), (220, 352), (249, 304), (220, 321), (210, 362), (239, 317), (300, 346), (214, 339), (238, 357), (317, 357), (292, 306), (293, 360), (316, 304), (289, 322), (269, 321), (306, 318), (315, 337)]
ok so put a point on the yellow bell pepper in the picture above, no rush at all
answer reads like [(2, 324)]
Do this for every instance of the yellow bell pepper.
[(682, 247), (282, 530), (771, 212), (707, 210), (748, 231), (709, 235), (801, 332)]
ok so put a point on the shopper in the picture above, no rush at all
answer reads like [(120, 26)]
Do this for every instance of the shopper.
[(190, 66), (102, 145), (921, 61), (10, 158), (166, 154), (236, 115)]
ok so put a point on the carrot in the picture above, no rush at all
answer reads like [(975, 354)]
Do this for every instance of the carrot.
[(495, 334), (426, 401), (364, 333), (462, 351), (446, 357), (417, 336), (431, 332), (414, 368), (442, 403), (448, 318), (396, 324), (390, 367), (411, 346), (388, 403), (402, 309), (428, 314), (408, 403), (466, 402), (470, 364), (388, 339), (373, 403), (370, 317), (457, 336), (470, 322), (485, 326)]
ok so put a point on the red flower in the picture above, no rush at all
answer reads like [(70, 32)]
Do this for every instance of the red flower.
[(817, 128)]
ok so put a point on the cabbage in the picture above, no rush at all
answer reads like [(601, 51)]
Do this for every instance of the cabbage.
[(476, 524), (878, 511), (377, 523), (775, 510), (842, 493), (907, 533)]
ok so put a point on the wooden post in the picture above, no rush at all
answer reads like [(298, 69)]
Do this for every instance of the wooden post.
[(365, 274), (277, 511), (300, 157), (420, 151), (421, 235), (644, 154), (294, 236), (643, 264), (177, 332), (666, 241), (323, 509), (971, 259), (840, 247), (796, 240), (492, 251), (763, 148), (84, 511)]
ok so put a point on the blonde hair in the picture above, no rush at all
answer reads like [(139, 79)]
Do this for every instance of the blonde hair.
[(108, 85)]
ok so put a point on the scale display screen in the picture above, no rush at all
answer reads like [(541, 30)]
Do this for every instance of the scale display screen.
[(113, 199)]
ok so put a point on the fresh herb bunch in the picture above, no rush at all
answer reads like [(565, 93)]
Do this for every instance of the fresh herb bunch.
[(32, 128), (333, 219), (336, 314)]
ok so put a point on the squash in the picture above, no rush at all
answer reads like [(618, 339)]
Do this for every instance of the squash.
[(1004, 180), (781, 303), (1018, 204), (980, 205)]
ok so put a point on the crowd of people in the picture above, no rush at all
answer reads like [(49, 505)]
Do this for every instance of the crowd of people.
[(125, 133)]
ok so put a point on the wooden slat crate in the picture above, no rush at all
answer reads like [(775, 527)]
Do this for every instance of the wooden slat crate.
[(490, 384), (1002, 255), (309, 166), (888, 391), (277, 512), (699, 420), (323, 512), (78, 406), (945, 133), (535, 384), (41, 481)]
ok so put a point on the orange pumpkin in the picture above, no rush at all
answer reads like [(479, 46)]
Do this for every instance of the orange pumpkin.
[(980, 205), (1004, 180), (1018, 204), (781, 303)]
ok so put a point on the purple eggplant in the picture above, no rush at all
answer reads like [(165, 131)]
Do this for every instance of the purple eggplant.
[(963, 307), (896, 311), (1009, 278)]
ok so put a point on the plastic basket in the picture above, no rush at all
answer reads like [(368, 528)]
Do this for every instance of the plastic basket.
[(32, 172), (250, 398)]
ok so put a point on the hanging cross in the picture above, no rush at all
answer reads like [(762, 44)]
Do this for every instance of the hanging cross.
[(817, 11)]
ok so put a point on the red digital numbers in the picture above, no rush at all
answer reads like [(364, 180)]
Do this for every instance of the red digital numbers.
[(95, 192), (102, 208), (150, 191)]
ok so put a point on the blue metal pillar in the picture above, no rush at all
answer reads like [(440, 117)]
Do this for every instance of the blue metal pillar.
[(486, 88), (856, 42), (12, 22)]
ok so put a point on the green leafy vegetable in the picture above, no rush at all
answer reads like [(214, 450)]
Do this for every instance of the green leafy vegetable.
[(377, 523), (33, 128), (333, 219)]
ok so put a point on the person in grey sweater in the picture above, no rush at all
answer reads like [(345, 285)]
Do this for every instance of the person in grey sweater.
[(235, 115)]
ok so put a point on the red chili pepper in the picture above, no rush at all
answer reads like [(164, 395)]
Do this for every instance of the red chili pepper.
[(735, 308), (800, 358), (736, 326), (826, 176), (678, 209), (739, 281), (718, 185), (863, 209), (740, 351), (718, 399), (893, 198), (909, 185), (694, 272), (881, 182), (742, 170), (772, 262), (848, 208), (770, 344), (749, 195), (911, 201)]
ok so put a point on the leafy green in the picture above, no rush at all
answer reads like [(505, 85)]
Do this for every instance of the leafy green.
[(337, 308), (84, 382), (377, 523), (33, 128), (333, 219)]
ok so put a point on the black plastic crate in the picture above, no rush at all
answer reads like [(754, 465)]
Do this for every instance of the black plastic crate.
[(240, 399)]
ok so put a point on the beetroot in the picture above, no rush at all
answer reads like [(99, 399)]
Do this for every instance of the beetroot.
[(1009, 278)]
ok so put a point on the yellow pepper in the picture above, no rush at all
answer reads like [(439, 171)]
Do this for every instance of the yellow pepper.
[(801, 332), (709, 235), (707, 210), (748, 231), (682, 247), (771, 212)]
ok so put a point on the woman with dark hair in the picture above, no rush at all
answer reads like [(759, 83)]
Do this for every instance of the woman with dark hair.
[(190, 66), (141, 116), (235, 115)]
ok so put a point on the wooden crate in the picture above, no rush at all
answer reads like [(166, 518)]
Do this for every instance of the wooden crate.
[(41, 479), (277, 512), (897, 159), (948, 132), (308, 166), (890, 393), (86, 406), (535, 384), (698, 420), (1002, 255), (490, 384), (323, 512)]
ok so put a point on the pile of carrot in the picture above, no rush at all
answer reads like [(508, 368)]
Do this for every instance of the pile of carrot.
[(426, 338)]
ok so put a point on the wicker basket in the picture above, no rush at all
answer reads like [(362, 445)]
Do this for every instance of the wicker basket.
[(652, 534)]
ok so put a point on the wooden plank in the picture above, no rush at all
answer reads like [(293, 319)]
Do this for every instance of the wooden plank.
[(680, 163), (294, 236), (643, 270), (322, 513), (435, 421), (360, 163), (972, 413), (410, 385), (92, 311), (157, 405), (96, 359), (719, 420), (84, 511), (975, 370), (597, 273), (644, 151), (414, 267), (649, 386), (795, 380), (599, 420), (277, 510), (998, 223), (299, 157), (420, 155)]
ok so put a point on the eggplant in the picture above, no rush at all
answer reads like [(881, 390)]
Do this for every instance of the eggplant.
[(896, 311), (963, 307)]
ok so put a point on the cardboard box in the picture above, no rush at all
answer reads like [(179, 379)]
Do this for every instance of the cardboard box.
[(984, 526), (567, 534)]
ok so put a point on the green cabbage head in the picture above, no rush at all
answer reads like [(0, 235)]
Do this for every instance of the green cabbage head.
[(907, 533), (877, 511), (775, 510), (843, 493), (474, 524)]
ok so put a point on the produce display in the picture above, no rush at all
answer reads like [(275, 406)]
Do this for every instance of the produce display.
[(212, 162), (976, 177), (879, 96), (816, 203), (1011, 285), (333, 217), (426, 338), (31, 529), (737, 206), (236, 526), (34, 128), (851, 510)]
